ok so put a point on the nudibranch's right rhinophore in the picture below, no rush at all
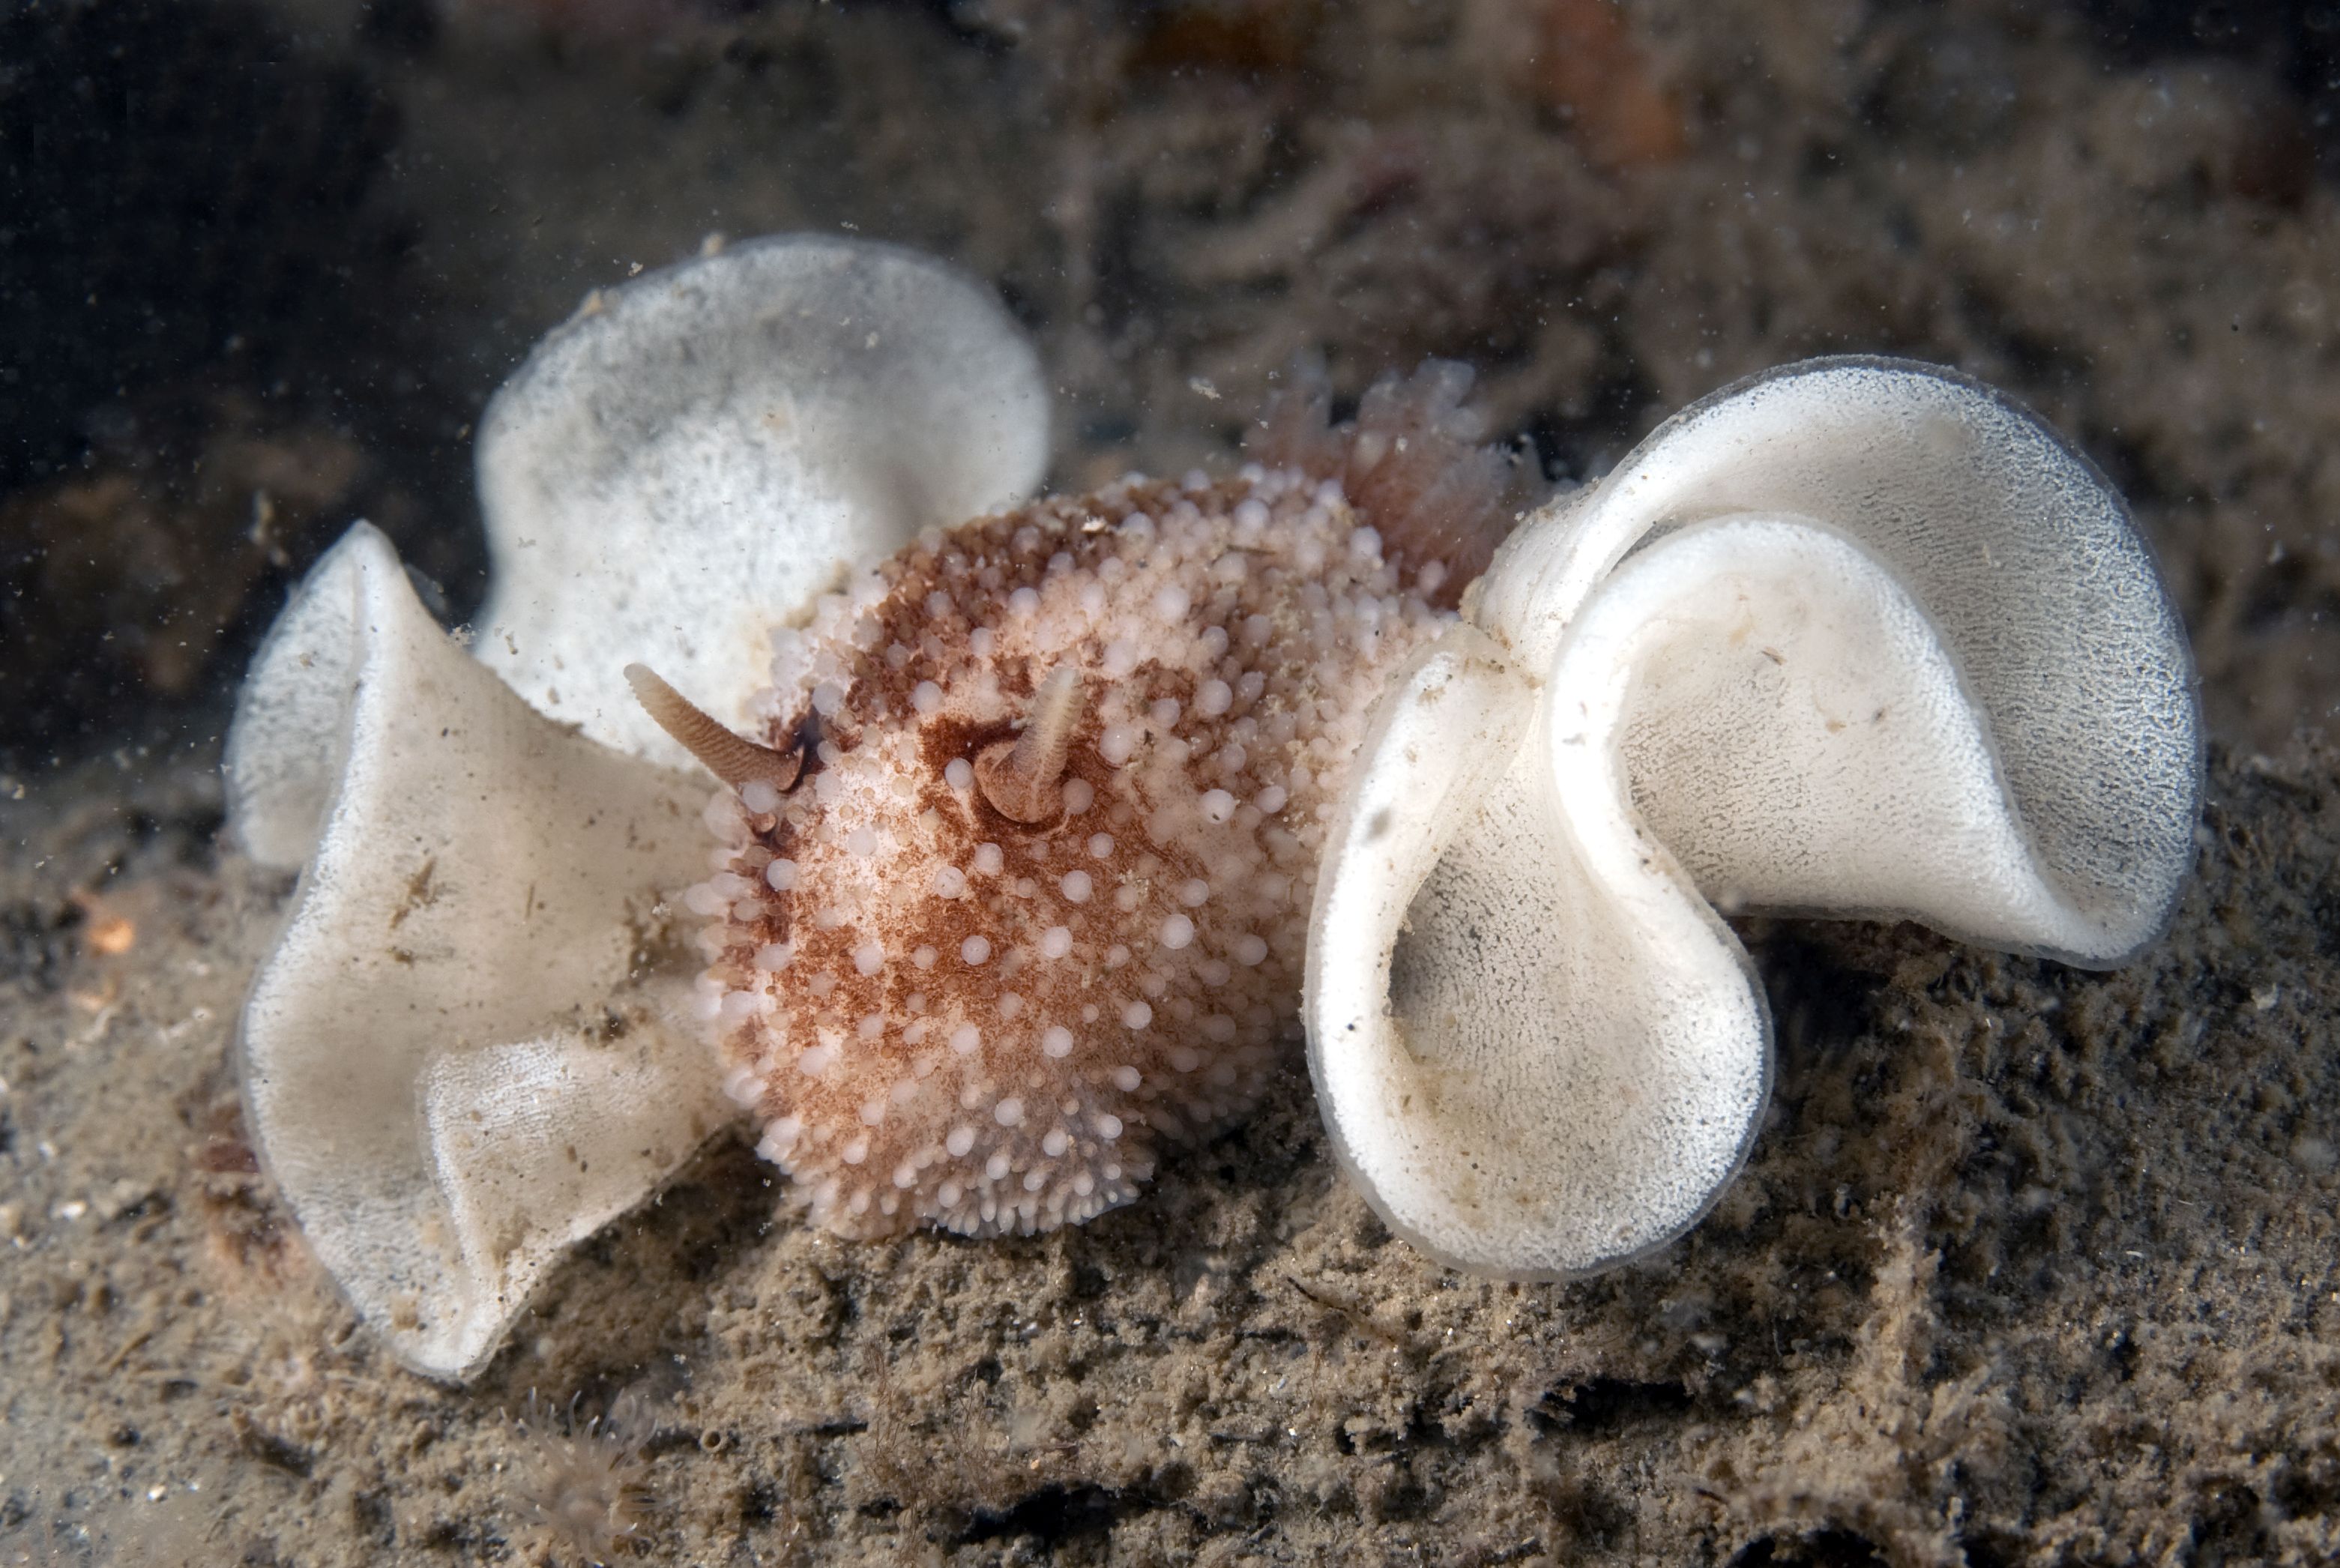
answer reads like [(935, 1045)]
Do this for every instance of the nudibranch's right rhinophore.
[(1859, 637)]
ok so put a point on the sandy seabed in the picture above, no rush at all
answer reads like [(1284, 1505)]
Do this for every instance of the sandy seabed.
[(2030, 1266)]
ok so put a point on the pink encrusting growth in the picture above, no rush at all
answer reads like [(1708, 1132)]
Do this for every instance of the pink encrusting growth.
[(1410, 461), (1037, 905)]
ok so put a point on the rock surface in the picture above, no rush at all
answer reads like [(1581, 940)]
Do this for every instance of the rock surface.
[(2029, 1264)]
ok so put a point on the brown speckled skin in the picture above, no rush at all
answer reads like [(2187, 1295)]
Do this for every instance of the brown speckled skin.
[(1229, 639)]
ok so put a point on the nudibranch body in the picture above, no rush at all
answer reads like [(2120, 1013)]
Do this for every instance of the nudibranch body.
[(1038, 903)]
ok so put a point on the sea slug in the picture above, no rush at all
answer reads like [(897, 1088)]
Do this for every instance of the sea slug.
[(1022, 893)]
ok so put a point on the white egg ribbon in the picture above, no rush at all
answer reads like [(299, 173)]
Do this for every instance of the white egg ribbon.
[(1859, 638), (472, 1045)]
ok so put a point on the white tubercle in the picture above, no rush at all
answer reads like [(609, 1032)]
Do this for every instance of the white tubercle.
[(696, 453), (1857, 637)]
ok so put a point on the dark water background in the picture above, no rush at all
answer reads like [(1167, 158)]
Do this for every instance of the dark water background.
[(261, 263)]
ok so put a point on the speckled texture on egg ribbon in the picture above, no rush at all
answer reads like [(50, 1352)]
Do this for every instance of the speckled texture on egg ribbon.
[(942, 1015)]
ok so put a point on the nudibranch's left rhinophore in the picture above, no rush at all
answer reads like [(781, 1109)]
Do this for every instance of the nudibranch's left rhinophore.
[(1856, 637)]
